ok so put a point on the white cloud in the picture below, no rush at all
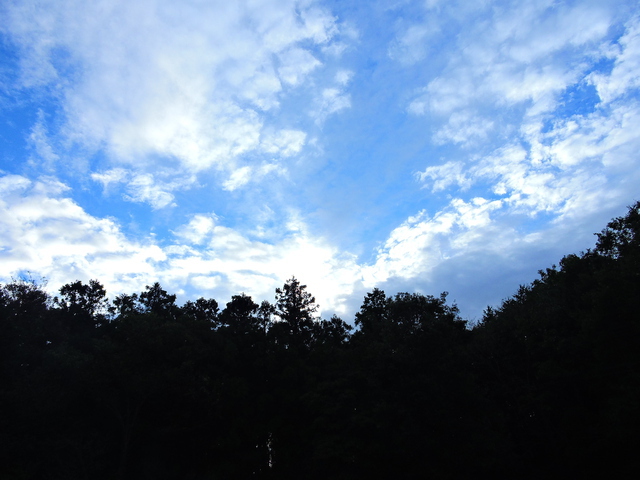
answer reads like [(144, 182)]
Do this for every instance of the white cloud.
[(257, 267), (531, 31), (332, 100), (531, 189), (238, 178), (319, 24), (578, 170), (443, 96), (465, 129), (243, 175), (444, 176), (543, 177), (520, 54), (206, 282), (576, 159), (198, 228), (512, 63), (46, 232), (284, 142), (423, 242), (295, 64), (165, 100), (109, 177), (413, 44), (145, 188), (343, 77), (626, 71), (149, 89), (12, 183)]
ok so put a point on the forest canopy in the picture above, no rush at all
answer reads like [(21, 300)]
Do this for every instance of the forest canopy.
[(141, 387)]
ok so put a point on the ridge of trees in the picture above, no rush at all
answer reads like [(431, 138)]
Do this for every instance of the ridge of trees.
[(546, 384)]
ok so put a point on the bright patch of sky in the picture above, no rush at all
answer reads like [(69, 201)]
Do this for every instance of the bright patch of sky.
[(222, 147)]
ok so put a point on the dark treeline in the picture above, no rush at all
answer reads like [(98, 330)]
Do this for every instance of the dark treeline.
[(545, 386)]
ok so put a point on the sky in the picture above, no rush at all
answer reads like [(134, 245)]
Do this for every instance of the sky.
[(223, 147)]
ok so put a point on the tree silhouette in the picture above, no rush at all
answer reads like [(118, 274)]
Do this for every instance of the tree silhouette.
[(156, 300), (203, 310), (295, 305), (295, 308), (545, 385)]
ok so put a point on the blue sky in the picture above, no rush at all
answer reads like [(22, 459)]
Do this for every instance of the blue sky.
[(222, 147)]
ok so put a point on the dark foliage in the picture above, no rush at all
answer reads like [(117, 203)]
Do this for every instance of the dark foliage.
[(546, 385)]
